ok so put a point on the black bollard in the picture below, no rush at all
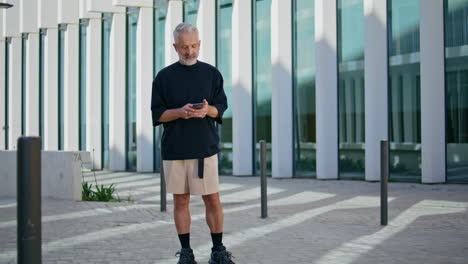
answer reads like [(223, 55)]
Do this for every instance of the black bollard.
[(384, 182), (162, 186), (29, 200), (263, 178)]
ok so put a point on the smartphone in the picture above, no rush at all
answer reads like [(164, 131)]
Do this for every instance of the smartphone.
[(197, 106)]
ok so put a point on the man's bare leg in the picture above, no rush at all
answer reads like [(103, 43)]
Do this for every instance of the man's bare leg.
[(182, 213), (214, 212)]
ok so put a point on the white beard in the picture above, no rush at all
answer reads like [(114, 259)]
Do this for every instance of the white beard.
[(188, 62)]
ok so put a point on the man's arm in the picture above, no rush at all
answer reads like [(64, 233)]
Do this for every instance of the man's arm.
[(184, 112)]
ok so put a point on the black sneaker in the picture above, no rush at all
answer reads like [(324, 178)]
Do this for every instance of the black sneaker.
[(186, 256), (221, 256)]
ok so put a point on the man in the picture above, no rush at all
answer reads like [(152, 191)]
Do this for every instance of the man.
[(188, 98)]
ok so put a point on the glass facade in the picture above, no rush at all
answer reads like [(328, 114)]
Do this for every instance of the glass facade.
[(405, 93), (82, 84), (262, 79), (131, 146), (224, 65), (456, 78), (304, 88), (191, 11), (61, 71), (351, 122), (106, 31), (159, 63)]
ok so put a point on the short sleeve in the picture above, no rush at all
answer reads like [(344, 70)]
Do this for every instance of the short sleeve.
[(158, 105), (219, 98)]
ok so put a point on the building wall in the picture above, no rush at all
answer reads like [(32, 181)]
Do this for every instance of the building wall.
[(321, 81)]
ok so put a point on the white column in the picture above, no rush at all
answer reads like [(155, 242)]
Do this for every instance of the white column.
[(326, 89), (32, 85), (28, 24), (51, 90), (47, 19), (2, 85), (94, 91), (70, 92), (68, 12), (281, 98), (144, 69), (242, 138), (206, 23), (173, 18), (376, 76), (11, 29), (117, 84), (14, 92), (2, 88), (432, 92)]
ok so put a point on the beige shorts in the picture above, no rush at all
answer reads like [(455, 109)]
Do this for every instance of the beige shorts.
[(182, 176)]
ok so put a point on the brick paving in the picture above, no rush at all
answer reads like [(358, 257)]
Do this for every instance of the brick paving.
[(310, 221)]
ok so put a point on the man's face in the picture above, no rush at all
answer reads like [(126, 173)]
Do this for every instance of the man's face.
[(187, 47)]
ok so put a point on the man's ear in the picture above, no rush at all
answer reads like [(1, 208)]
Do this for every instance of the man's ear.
[(175, 46)]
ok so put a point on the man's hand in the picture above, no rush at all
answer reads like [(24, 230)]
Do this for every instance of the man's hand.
[(206, 110), (186, 111)]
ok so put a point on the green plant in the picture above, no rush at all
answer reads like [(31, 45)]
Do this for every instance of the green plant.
[(87, 194), (104, 194)]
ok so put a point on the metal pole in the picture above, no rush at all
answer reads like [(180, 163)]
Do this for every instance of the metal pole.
[(384, 182), (29, 200), (263, 178), (162, 185)]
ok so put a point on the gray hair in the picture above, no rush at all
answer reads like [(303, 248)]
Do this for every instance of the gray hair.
[(183, 27)]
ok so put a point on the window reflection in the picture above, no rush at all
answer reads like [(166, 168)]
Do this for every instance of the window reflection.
[(456, 52)]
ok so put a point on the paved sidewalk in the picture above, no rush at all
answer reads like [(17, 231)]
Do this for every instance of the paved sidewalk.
[(311, 221)]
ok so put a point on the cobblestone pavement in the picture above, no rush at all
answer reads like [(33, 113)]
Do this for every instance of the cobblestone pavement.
[(310, 221)]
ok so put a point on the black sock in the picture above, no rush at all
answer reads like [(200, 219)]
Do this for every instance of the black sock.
[(185, 240), (217, 240)]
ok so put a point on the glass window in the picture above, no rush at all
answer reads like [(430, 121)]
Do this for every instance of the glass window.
[(132, 23), (159, 62), (262, 79), (456, 72), (351, 88), (42, 37), (61, 69), (304, 88), (82, 84), (224, 63), (24, 43), (191, 11), (404, 94), (106, 32)]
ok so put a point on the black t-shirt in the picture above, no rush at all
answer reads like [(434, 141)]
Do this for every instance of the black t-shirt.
[(177, 85)]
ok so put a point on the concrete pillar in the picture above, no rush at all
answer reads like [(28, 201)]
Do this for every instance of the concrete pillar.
[(68, 14), (47, 19), (11, 29), (117, 95), (206, 23), (326, 89), (2, 86), (173, 18), (28, 24), (144, 69), (93, 85), (282, 90), (117, 81), (433, 150), (376, 74), (242, 137)]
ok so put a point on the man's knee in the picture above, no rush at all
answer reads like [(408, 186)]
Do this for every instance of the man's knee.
[(212, 200), (181, 200)]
